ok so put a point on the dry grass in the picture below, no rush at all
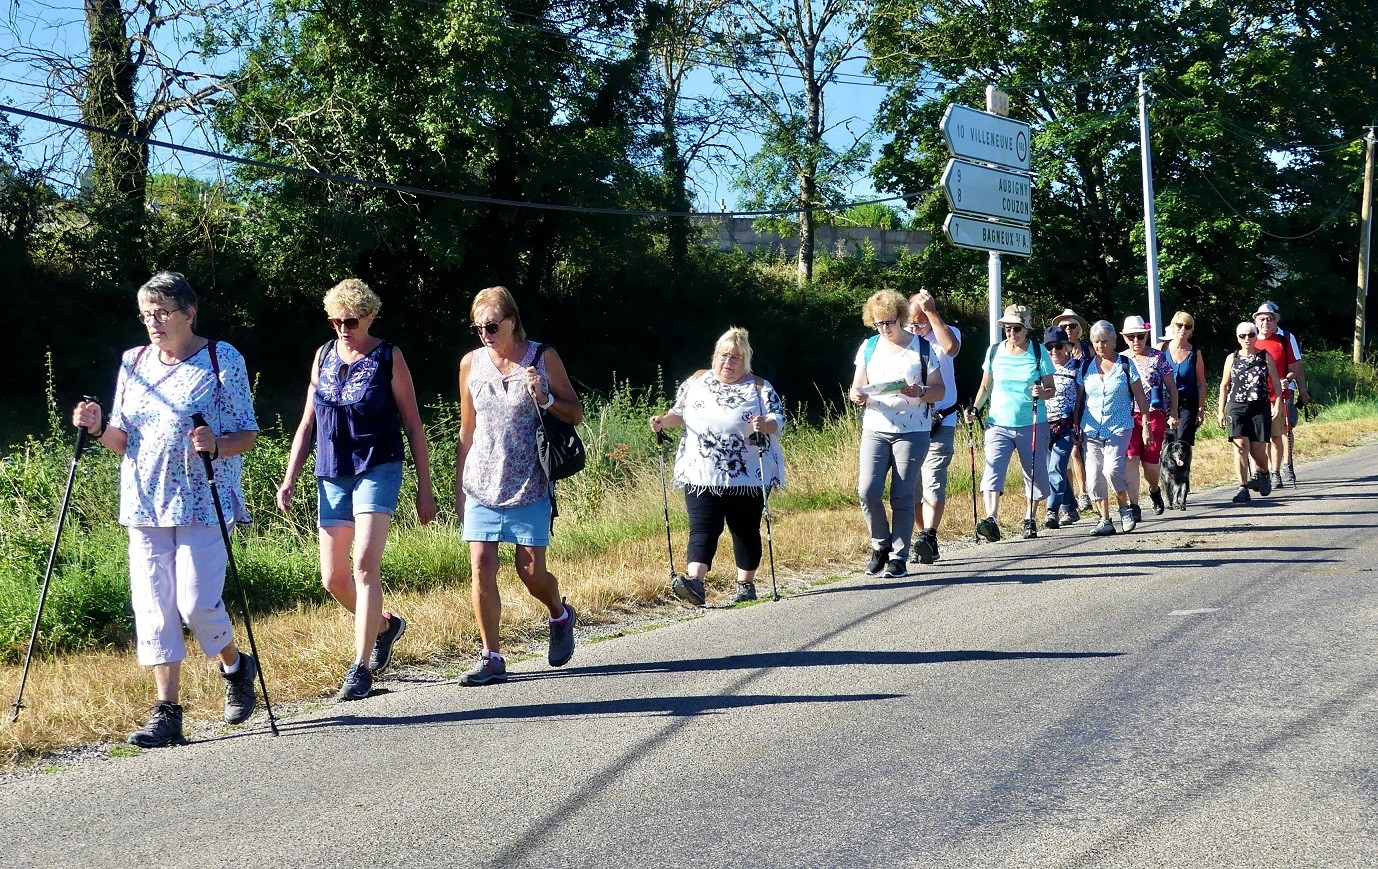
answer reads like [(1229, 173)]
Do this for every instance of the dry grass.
[(102, 695)]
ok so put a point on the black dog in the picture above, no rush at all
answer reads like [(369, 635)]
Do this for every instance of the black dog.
[(1176, 473)]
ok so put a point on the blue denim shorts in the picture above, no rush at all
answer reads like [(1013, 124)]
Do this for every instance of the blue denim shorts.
[(373, 491), (527, 526)]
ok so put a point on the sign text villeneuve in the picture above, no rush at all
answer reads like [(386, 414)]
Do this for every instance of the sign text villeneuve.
[(986, 138)]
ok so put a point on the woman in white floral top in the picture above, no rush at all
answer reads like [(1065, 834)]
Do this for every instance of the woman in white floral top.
[(177, 558), (725, 411)]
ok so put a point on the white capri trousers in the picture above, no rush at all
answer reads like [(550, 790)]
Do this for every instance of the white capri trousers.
[(1001, 445), (1105, 463), (177, 575)]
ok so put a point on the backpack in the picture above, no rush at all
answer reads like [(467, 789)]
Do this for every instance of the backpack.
[(1037, 348), (1083, 368), (925, 348)]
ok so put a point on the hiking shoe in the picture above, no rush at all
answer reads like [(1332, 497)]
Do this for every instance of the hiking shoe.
[(1288, 475), (895, 568), (877, 562), (1030, 529), (240, 696), (1128, 522), (1156, 497), (746, 591), (1253, 483), (164, 728), (358, 683), (1050, 520), (931, 535), (688, 589), (1274, 479), (1265, 483), (1138, 513), (381, 656), (924, 551), (491, 668), (1104, 528), (1071, 516), (1242, 496), (987, 529), (562, 636)]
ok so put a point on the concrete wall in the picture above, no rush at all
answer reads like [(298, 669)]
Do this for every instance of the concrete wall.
[(726, 233)]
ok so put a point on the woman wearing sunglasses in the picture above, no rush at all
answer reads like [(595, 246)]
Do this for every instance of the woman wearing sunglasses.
[(1155, 372), (1189, 375), (359, 404), (1244, 409), (500, 489), (1018, 379)]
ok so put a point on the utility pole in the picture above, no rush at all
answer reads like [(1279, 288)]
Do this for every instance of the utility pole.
[(1150, 220), (1365, 250)]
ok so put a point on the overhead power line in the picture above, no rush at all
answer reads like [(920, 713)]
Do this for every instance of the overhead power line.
[(428, 192)]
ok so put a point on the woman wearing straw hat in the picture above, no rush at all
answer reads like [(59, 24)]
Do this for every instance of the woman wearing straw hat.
[(1155, 371), (1080, 353), (1018, 378)]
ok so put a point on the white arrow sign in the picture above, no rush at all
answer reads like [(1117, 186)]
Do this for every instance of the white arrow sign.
[(982, 234), (986, 138), (977, 189)]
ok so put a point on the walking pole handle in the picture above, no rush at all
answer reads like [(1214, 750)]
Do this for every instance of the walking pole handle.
[(662, 438), (198, 419)]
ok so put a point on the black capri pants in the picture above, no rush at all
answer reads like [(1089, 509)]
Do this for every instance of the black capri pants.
[(708, 512)]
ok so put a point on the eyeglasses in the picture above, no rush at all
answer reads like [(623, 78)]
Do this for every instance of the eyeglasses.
[(160, 315), (1246, 335), (886, 324), (490, 328), (1013, 327), (347, 322), (1184, 325)]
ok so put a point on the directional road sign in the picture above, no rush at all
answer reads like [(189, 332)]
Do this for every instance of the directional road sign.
[(985, 137), (975, 189), (983, 234)]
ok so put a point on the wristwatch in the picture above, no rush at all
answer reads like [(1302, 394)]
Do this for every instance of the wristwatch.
[(549, 400)]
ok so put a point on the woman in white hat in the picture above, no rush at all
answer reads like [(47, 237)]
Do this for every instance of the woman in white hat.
[(1155, 371), (1018, 378)]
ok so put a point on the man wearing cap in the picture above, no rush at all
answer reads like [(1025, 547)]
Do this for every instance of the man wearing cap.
[(1079, 344), (1062, 408), (1295, 393), (1283, 349), (1018, 378), (926, 322)]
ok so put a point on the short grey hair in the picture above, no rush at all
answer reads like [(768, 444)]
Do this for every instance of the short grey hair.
[(1103, 329), (169, 286)]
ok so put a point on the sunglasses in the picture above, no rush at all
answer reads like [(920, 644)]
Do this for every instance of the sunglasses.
[(1138, 337), (1184, 325), (347, 322), (490, 328), (1055, 345), (1013, 327), (1246, 335)]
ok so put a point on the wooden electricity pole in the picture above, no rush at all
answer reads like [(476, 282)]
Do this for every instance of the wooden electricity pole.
[(1365, 251)]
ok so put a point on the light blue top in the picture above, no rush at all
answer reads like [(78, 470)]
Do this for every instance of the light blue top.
[(1109, 409), (1012, 376)]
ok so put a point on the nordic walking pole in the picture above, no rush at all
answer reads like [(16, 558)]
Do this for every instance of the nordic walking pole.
[(1033, 457), (663, 440), (52, 557), (971, 452), (198, 420), (760, 439)]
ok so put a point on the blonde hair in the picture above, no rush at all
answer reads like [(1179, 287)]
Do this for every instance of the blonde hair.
[(1188, 318), (882, 303), (499, 299), (352, 296), (736, 338)]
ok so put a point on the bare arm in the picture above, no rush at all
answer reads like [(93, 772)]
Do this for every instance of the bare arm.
[(301, 446), (404, 394), (1224, 388), (556, 383), (466, 433), (1201, 385)]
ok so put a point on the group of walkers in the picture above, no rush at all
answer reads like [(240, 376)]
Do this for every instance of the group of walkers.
[(1085, 420)]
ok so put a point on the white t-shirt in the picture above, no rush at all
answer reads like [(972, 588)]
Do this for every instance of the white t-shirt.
[(892, 412), (947, 369)]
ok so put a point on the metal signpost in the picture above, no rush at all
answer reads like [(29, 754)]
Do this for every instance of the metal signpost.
[(992, 204)]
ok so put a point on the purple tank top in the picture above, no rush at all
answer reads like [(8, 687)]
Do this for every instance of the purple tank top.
[(358, 426)]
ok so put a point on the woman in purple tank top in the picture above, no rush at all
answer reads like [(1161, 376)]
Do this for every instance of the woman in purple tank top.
[(359, 403), (500, 489)]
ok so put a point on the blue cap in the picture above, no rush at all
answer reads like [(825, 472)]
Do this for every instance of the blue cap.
[(1055, 334)]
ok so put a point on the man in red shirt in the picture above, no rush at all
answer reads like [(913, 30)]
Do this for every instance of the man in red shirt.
[(1288, 365)]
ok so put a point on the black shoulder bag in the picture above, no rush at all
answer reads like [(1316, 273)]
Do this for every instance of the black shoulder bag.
[(558, 447)]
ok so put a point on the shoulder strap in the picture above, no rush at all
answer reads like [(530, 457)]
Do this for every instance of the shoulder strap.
[(215, 360), (540, 351), (320, 356), (1125, 363), (871, 344), (990, 354), (139, 357)]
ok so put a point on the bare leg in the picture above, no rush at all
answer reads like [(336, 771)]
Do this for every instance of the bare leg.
[(168, 679), (697, 570), (933, 514), (372, 536), (1152, 473), (539, 581), (992, 502), (483, 560)]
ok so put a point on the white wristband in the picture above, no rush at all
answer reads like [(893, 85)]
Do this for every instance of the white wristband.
[(549, 400)]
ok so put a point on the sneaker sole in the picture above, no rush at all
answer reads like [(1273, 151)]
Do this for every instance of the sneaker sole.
[(923, 554), (168, 743), (890, 575), (348, 696), (387, 660), (686, 594), (472, 682)]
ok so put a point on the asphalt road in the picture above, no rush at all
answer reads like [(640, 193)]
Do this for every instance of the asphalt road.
[(1202, 691)]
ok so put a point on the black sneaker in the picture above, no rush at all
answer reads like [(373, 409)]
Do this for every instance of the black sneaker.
[(562, 637), (746, 591), (1156, 497), (895, 568), (1242, 496), (1104, 528), (381, 656), (1275, 479), (1288, 475), (1138, 514), (1265, 483), (988, 530), (491, 668), (932, 536), (1253, 483), (240, 697), (1030, 529), (688, 589), (924, 551), (877, 562), (164, 728), (1084, 503), (1050, 520), (358, 683)]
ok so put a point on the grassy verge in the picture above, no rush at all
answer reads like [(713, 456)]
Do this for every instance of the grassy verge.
[(609, 551)]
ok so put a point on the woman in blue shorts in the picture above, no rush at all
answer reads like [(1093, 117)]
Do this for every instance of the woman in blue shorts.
[(500, 488), (359, 404)]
